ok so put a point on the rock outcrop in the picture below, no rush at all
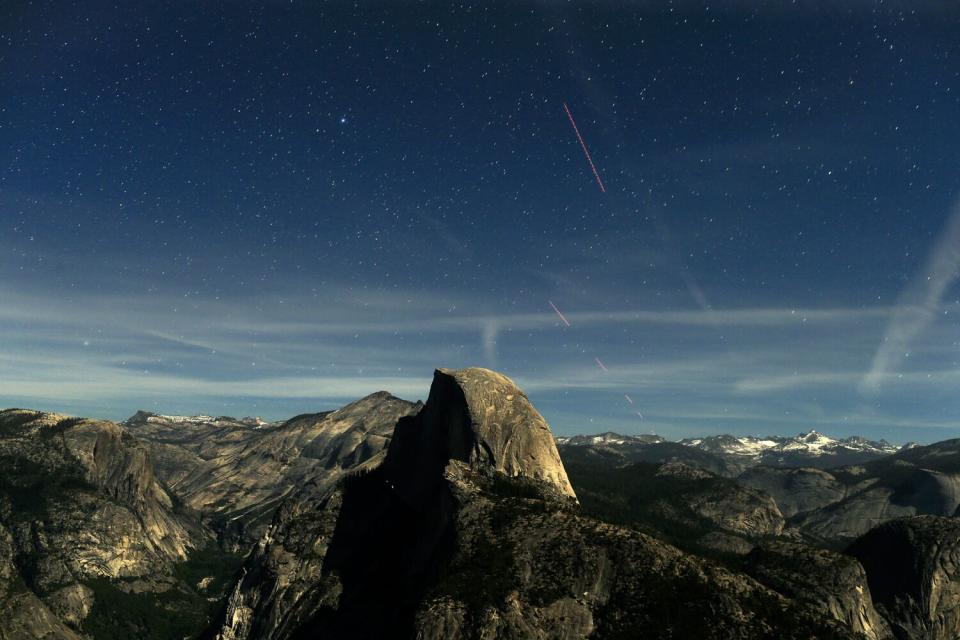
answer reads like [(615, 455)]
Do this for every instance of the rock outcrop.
[(827, 581), (22, 613), (104, 533), (838, 505), (237, 475), (737, 510), (80, 503), (482, 418), (92, 486), (523, 569), (795, 490), (474, 416), (913, 569), (878, 493)]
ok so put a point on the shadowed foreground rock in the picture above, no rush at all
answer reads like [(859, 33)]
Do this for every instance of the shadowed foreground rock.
[(825, 580), (913, 567)]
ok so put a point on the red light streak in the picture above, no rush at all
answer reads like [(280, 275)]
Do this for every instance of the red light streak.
[(584, 146), (558, 313)]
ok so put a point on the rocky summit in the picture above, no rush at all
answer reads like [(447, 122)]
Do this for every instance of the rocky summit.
[(481, 418), (459, 517)]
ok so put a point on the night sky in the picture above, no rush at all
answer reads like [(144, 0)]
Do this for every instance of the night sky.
[(274, 208)]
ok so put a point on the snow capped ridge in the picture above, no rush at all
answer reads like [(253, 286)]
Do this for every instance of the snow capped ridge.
[(809, 443), (805, 445), (197, 420), (200, 419), (608, 438)]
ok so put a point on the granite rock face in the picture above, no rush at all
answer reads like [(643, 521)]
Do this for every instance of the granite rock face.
[(22, 613), (738, 510), (482, 418), (98, 523), (913, 568), (524, 567), (79, 502), (879, 493), (830, 582), (99, 509), (795, 490), (836, 506), (237, 475)]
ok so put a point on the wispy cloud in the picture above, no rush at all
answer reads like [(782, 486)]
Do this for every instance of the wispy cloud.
[(919, 305), (490, 330), (336, 313), (687, 369), (794, 381), (113, 384), (930, 379)]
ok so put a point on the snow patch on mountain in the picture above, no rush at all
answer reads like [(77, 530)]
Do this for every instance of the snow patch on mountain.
[(202, 420), (811, 444), (609, 438)]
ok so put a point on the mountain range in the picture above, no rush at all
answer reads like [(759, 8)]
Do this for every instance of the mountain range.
[(463, 517), (806, 449)]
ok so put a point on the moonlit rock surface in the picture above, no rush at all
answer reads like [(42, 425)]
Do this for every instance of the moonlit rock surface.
[(481, 417), (913, 568)]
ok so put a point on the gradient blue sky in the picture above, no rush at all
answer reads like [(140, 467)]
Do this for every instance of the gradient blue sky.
[(273, 208)]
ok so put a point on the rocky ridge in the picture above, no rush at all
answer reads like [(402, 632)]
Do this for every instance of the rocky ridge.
[(237, 475), (80, 504), (685, 505), (808, 444), (103, 532), (830, 582), (455, 518), (836, 506), (913, 569), (608, 438), (731, 455), (485, 541)]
